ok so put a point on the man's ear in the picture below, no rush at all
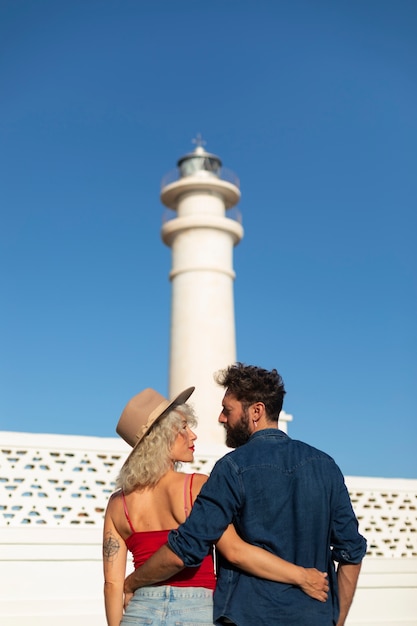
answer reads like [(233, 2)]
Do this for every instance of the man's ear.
[(257, 411)]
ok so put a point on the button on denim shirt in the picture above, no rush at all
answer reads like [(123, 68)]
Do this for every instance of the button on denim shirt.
[(289, 498)]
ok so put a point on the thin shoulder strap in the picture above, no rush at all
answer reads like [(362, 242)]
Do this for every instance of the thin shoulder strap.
[(188, 482), (126, 513)]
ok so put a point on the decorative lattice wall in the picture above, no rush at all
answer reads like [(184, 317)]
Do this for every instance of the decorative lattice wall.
[(57, 487), (387, 513), (65, 481)]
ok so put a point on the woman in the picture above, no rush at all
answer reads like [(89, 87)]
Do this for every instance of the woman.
[(154, 498)]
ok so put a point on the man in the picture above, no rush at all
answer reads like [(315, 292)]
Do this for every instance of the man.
[(282, 495)]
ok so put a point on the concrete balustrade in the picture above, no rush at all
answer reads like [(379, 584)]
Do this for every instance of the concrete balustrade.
[(53, 494)]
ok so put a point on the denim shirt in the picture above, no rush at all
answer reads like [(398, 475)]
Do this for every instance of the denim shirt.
[(289, 498)]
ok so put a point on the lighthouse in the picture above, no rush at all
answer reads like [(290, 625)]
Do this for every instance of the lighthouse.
[(201, 234)]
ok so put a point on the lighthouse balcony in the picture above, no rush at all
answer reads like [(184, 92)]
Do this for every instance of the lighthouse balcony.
[(223, 173), (232, 214)]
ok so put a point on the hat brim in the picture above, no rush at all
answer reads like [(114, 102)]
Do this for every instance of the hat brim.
[(160, 411)]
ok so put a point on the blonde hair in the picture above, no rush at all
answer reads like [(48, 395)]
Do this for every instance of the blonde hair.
[(151, 459)]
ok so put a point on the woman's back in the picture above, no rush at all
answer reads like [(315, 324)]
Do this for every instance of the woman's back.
[(162, 507)]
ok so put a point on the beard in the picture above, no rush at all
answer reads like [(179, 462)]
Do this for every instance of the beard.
[(239, 434)]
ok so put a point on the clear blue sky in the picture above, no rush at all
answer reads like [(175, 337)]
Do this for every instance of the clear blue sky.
[(313, 105)]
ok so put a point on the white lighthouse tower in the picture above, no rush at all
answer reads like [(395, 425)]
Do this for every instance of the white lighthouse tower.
[(202, 238)]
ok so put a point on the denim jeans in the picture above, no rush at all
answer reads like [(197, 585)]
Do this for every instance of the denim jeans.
[(170, 606)]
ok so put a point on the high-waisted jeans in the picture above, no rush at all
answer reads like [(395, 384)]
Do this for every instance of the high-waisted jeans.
[(170, 606)]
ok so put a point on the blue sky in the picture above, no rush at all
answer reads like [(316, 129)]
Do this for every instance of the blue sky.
[(313, 105)]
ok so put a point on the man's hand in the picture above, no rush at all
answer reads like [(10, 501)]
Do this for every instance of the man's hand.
[(315, 584), (129, 588), (127, 598), (161, 565)]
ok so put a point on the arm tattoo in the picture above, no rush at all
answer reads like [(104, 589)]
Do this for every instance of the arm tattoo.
[(111, 547)]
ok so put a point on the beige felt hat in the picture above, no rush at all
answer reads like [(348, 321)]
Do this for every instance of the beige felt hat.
[(143, 410)]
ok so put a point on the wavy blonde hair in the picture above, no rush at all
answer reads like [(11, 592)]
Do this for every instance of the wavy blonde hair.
[(151, 459)]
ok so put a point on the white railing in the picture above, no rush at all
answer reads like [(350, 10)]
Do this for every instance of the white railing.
[(223, 174), (232, 214), (56, 480)]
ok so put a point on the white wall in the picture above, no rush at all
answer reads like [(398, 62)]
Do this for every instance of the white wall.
[(51, 576), (53, 492), (54, 576), (386, 593)]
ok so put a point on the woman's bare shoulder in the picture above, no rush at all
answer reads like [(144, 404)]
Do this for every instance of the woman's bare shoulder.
[(200, 478), (114, 500), (198, 482)]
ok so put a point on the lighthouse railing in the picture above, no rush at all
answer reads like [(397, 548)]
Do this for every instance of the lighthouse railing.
[(233, 213), (223, 174)]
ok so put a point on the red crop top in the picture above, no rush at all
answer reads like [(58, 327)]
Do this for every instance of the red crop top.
[(143, 544)]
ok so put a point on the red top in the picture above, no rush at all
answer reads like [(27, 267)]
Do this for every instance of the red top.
[(143, 544)]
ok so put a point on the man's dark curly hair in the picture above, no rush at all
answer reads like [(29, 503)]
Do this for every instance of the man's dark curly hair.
[(250, 384)]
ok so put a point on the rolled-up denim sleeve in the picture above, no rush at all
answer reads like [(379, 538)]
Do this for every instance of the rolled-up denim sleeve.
[(349, 546), (213, 510)]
